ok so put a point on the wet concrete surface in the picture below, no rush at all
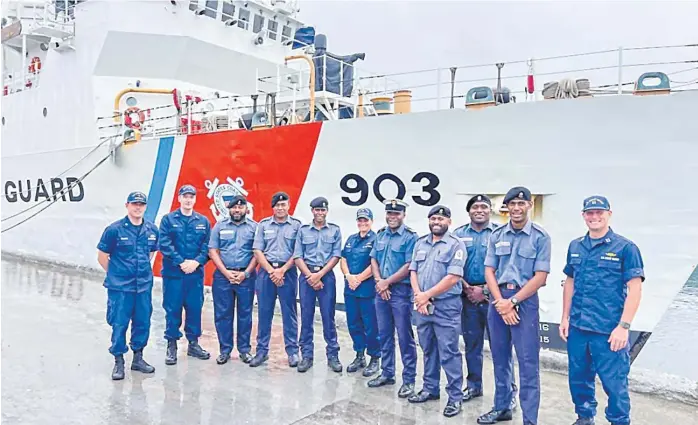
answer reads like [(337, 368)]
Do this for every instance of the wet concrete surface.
[(56, 370)]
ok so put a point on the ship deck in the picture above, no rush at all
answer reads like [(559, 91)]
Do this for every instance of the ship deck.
[(56, 369)]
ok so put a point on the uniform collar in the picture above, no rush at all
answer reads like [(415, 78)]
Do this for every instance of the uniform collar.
[(127, 223), (489, 226), (178, 213), (370, 232), (526, 229), (230, 221), (430, 238), (608, 238), (324, 226), (273, 220)]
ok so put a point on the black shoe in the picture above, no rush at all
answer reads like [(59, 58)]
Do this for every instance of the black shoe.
[(246, 357), (259, 359), (293, 360), (471, 393), (171, 356), (305, 364), (139, 364), (335, 364), (223, 358), (406, 390), (380, 381), (195, 350), (372, 367), (117, 373), (422, 396), (453, 408), (514, 394), (494, 416), (358, 363), (584, 421)]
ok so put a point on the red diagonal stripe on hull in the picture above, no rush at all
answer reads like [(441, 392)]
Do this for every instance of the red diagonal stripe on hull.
[(268, 161)]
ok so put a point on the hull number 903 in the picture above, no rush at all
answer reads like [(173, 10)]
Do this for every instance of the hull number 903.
[(358, 188)]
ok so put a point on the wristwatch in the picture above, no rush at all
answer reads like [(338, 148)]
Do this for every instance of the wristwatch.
[(247, 274), (624, 325), (514, 301)]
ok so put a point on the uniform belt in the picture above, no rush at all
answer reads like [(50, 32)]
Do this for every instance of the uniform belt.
[(477, 283), (276, 265), (315, 268), (509, 285), (236, 269)]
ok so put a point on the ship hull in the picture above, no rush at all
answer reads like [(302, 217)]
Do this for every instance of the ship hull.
[(641, 152)]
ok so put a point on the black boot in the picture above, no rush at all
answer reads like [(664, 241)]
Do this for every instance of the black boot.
[(195, 350), (139, 364), (372, 367), (334, 364), (117, 373), (305, 364), (171, 356), (358, 363)]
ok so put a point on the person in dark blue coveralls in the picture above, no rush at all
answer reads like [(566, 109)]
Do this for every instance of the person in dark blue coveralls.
[(230, 249), (475, 236), (317, 252), (595, 323), (516, 266), (184, 235), (390, 260), (360, 294), (273, 246), (435, 273), (125, 250)]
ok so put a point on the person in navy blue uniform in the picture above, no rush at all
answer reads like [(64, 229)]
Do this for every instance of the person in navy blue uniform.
[(125, 251), (516, 266), (317, 252), (435, 273), (273, 246), (475, 236), (360, 294), (390, 260), (595, 323), (230, 249), (184, 235)]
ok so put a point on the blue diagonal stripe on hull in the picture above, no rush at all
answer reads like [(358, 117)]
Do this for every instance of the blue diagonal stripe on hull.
[(157, 184)]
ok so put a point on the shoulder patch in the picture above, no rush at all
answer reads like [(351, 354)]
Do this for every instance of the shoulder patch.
[(382, 229), (294, 218), (265, 219), (409, 229)]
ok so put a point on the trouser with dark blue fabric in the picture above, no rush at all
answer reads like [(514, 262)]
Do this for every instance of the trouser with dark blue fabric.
[(226, 296), (185, 292), (396, 313), (438, 337), (362, 324), (123, 308), (525, 337), (267, 292), (589, 353), (474, 326), (327, 298)]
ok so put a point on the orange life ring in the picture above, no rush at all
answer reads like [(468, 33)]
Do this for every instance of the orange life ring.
[(129, 121), (35, 65)]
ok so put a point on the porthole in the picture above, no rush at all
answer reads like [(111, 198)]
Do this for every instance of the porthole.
[(131, 101), (45, 112), (3, 120)]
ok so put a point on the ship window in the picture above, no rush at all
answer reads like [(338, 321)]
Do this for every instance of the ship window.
[(211, 8), (131, 101), (258, 23), (228, 11), (193, 5), (244, 18), (272, 27), (286, 33), (3, 120), (45, 112)]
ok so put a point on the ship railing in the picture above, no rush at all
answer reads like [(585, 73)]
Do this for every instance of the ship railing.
[(608, 72), (58, 15), (16, 82)]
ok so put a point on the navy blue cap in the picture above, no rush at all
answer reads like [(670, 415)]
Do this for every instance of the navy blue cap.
[(364, 213), (440, 210), (395, 205), (237, 200), (319, 202), (478, 198), (187, 188), (137, 198), (518, 192), (279, 196), (596, 202)]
